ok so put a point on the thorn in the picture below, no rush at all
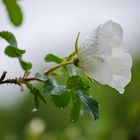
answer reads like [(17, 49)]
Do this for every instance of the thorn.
[(3, 76)]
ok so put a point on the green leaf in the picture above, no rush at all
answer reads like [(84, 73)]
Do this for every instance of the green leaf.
[(9, 37), (58, 90), (53, 58), (13, 52), (29, 85), (76, 43), (78, 83), (35, 92), (91, 105), (14, 12), (61, 100), (70, 69), (41, 97), (40, 75), (59, 94), (52, 88), (85, 81), (49, 85), (25, 65), (75, 112)]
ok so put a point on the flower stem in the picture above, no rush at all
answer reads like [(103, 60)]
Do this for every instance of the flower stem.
[(58, 66), (70, 56)]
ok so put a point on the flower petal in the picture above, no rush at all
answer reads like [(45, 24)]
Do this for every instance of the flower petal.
[(111, 33), (94, 46), (97, 68), (120, 64), (101, 41)]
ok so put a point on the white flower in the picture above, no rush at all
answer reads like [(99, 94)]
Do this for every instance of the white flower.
[(103, 58)]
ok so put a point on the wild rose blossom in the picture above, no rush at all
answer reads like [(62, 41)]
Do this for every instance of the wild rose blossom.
[(103, 58)]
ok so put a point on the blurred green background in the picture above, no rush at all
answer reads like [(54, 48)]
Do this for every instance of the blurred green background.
[(119, 114), (119, 117)]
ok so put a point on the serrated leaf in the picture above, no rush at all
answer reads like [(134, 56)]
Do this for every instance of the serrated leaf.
[(35, 92), (61, 100), (40, 75), (91, 105), (52, 88), (85, 81), (71, 70), (49, 85), (9, 37), (14, 12), (13, 51), (58, 90), (41, 98), (78, 83), (53, 58), (75, 112), (29, 85), (76, 43)]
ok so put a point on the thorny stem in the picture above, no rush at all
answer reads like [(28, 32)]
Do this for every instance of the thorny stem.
[(18, 81), (22, 80)]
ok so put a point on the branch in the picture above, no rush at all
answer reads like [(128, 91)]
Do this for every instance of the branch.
[(22, 80), (9, 81), (18, 81)]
